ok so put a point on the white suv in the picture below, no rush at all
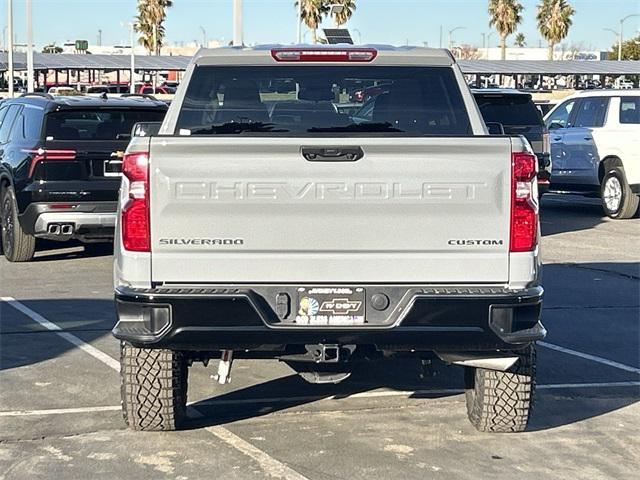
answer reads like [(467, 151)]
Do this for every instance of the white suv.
[(595, 148)]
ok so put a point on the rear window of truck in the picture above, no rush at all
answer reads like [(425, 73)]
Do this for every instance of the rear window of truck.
[(97, 124), (308, 100), (509, 110)]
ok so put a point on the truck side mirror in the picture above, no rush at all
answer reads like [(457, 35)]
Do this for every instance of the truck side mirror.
[(495, 128), (555, 126)]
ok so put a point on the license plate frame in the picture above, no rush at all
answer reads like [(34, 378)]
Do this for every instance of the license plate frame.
[(330, 306)]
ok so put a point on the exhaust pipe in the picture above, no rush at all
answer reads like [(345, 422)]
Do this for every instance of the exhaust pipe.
[(67, 229), (53, 229)]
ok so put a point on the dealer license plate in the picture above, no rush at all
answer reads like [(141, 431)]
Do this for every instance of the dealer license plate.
[(330, 306)]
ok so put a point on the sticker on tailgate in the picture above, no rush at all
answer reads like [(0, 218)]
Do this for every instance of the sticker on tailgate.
[(330, 306)]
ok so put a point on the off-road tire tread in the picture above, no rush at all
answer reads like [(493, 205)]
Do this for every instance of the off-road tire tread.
[(153, 388), (501, 402), (24, 245)]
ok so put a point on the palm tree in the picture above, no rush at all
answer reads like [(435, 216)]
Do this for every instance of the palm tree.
[(505, 16), (520, 41), (312, 13), (554, 21), (150, 19), (348, 7)]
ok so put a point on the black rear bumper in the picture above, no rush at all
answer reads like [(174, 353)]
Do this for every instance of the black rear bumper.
[(245, 318)]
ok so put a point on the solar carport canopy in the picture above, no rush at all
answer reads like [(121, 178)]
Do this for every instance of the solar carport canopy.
[(60, 61), (547, 67)]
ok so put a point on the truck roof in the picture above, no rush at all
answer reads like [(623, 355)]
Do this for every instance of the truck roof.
[(262, 54)]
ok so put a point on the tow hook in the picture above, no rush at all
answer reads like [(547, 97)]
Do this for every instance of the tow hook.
[(224, 368)]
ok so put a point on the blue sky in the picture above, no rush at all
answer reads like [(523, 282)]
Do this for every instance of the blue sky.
[(273, 21)]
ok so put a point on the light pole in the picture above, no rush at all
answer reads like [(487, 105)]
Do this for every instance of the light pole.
[(299, 24), (614, 32), (359, 36), (10, 45), (132, 71), (237, 23), (451, 32), (336, 9), (621, 32), (204, 36), (489, 35), (29, 47)]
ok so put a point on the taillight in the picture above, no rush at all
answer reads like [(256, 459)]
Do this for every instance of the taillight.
[(43, 154), (135, 224), (323, 55), (524, 205)]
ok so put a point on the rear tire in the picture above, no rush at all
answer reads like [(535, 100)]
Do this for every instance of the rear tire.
[(501, 401), (16, 245), (153, 388), (618, 201)]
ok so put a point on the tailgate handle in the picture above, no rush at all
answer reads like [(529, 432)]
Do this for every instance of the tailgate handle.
[(332, 154)]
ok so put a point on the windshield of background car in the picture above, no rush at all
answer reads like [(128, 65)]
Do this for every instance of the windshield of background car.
[(509, 110), (307, 100), (103, 124)]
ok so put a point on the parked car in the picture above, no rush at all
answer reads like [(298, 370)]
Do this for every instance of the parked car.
[(66, 91), (111, 88), (624, 84), (518, 115), (170, 83), (595, 148), (545, 106), (60, 167), (148, 90), (299, 234)]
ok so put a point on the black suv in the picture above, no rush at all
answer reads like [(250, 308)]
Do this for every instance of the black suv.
[(60, 163), (518, 115)]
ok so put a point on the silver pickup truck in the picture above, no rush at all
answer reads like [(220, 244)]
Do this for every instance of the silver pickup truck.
[(277, 215)]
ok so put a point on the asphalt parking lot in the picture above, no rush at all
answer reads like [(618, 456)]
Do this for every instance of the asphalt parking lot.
[(60, 404)]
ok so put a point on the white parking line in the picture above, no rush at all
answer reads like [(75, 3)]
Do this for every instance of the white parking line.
[(81, 344), (59, 411), (593, 358), (269, 465), (194, 413), (560, 386)]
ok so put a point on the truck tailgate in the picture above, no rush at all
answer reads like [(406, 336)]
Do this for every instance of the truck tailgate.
[(254, 210)]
